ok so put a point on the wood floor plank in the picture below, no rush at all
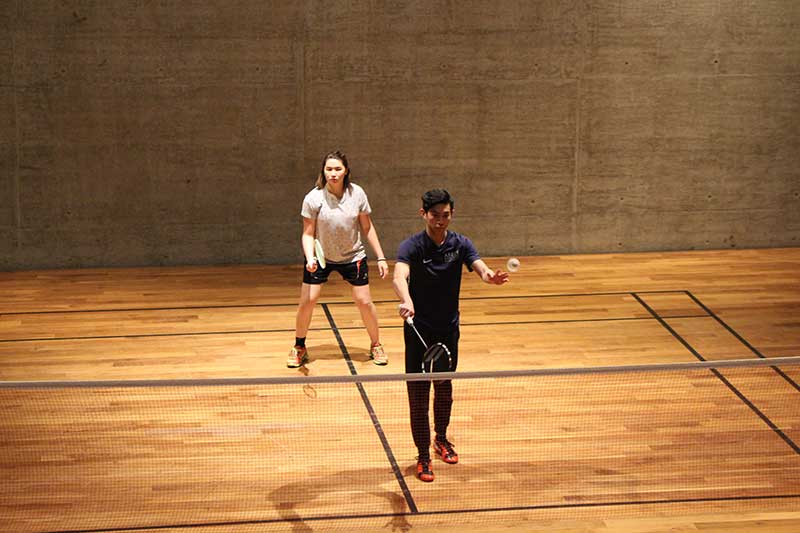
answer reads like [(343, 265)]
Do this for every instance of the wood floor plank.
[(687, 451)]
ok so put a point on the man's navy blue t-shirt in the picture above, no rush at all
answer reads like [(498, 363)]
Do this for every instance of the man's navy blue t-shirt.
[(435, 276)]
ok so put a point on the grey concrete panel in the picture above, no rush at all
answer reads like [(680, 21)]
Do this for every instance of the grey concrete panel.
[(8, 14), (489, 188), (453, 121), (207, 18), (651, 38), (8, 162), (64, 115), (475, 17), (8, 117), (433, 57), (510, 235), (758, 108), (715, 194), (73, 185), (191, 185), (611, 164), (756, 140), (722, 144), (492, 192), (163, 132), (86, 246), (637, 108), (714, 118), (131, 185), (759, 175), (645, 143), (430, 122), (759, 37), (658, 229), (203, 115), (171, 60), (6, 57), (425, 41), (9, 248), (272, 116), (269, 241)]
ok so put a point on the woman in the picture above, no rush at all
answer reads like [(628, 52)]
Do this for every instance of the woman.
[(337, 213)]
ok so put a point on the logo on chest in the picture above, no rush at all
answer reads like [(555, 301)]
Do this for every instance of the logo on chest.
[(451, 257)]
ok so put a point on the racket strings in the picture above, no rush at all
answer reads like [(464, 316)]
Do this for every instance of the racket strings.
[(436, 352), (432, 352)]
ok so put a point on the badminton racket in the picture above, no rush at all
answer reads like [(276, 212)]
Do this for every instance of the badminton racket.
[(319, 253), (433, 353)]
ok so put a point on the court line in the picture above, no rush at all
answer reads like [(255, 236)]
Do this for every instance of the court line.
[(481, 510), (727, 383), (133, 309), (757, 411), (372, 415), (584, 505), (294, 303), (450, 512), (259, 331), (741, 339)]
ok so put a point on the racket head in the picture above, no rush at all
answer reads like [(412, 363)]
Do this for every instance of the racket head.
[(437, 356), (319, 253)]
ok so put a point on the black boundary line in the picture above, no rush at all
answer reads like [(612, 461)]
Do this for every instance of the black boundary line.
[(401, 480), (259, 331), (741, 339), (727, 383), (557, 295), (441, 513), (373, 416), (757, 411), (136, 309), (293, 304)]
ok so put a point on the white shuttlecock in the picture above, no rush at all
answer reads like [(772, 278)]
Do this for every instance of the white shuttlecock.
[(513, 264)]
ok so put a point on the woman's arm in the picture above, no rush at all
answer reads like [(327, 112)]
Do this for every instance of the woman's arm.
[(368, 229), (307, 241)]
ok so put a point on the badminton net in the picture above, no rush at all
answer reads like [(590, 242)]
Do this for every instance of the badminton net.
[(277, 452)]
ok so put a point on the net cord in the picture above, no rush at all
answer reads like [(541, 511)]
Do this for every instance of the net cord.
[(437, 376)]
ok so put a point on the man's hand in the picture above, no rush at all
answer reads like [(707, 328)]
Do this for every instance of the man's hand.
[(497, 277), (406, 309)]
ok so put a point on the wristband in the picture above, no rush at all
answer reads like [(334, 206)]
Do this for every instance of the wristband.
[(381, 259)]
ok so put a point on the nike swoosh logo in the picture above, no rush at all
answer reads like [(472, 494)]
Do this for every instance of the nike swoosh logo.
[(426, 261)]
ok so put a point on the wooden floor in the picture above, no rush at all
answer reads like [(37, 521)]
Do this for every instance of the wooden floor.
[(633, 452)]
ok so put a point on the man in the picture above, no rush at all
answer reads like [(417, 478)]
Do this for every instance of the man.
[(427, 279)]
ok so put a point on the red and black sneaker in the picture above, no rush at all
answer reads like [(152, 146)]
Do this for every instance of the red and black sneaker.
[(297, 357), (445, 450), (424, 472)]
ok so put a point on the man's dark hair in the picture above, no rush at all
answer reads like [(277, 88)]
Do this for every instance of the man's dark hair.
[(436, 196)]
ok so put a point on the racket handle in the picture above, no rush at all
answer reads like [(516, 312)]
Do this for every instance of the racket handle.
[(410, 322)]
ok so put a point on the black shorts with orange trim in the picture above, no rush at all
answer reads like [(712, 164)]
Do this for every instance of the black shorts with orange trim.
[(355, 273)]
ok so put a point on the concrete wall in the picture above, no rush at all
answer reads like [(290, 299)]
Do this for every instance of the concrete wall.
[(182, 132)]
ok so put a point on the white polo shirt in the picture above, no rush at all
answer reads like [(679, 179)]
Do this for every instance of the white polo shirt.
[(338, 229)]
